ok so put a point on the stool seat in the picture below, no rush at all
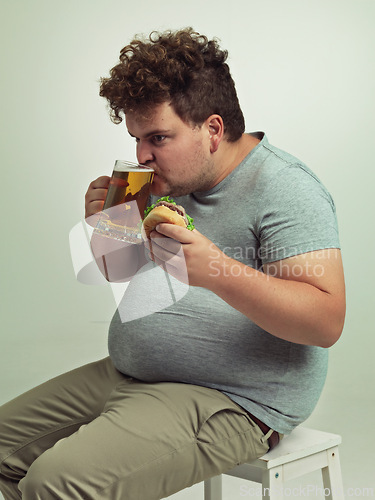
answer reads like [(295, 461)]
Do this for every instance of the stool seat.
[(303, 451)]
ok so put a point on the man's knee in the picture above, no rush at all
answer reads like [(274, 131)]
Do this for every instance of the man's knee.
[(33, 484), (45, 480)]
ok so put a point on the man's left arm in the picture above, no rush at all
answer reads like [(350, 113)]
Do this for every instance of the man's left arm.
[(300, 299)]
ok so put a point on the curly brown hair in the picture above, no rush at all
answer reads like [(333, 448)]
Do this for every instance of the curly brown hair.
[(183, 68)]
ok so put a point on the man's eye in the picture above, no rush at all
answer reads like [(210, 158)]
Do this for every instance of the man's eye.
[(158, 138)]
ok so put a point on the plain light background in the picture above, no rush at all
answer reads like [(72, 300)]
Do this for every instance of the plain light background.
[(305, 75)]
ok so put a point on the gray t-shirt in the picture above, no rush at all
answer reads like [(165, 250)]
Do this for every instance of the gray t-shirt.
[(269, 208)]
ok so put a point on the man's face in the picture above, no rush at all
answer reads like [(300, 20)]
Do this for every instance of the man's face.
[(178, 152)]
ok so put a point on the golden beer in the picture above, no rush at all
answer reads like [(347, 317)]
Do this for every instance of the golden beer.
[(126, 201)]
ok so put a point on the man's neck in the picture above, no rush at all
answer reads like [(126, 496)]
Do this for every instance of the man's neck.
[(233, 153)]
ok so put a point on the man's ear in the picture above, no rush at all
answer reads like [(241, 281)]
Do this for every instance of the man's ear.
[(215, 126)]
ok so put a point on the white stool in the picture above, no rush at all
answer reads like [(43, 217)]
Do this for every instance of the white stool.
[(302, 451)]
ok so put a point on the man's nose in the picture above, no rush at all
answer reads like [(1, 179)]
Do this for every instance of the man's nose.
[(144, 153)]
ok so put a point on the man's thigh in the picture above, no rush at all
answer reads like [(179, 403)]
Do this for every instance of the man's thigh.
[(34, 421), (150, 441)]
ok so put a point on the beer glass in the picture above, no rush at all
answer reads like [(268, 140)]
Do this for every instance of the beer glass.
[(126, 201)]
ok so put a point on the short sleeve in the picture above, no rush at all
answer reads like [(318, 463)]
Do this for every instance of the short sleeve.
[(297, 215)]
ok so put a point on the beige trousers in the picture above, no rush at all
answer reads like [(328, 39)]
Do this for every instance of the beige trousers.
[(94, 433)]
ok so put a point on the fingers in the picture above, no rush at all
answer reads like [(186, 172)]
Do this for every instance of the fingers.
[(178, 233), (160, 248), (169, 255), (164, 248), (168, 247), (95, 195), (168, 240)]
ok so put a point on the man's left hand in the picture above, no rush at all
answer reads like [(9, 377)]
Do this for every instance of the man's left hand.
[(184, 254)]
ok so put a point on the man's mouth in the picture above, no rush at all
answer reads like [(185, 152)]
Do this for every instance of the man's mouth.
[(156, 175)]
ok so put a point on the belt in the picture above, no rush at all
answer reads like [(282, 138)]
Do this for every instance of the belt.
[(274, 438)]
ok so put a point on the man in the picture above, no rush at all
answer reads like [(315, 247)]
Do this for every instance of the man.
[(216, 378)]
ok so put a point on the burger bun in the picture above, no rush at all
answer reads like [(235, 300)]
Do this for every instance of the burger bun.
[(161, 214)]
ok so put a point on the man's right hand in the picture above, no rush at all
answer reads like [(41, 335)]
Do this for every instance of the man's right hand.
[(95, 197)]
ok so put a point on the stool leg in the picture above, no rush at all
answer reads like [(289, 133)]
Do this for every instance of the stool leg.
[(332, 479), (272, 484), (212, 488)]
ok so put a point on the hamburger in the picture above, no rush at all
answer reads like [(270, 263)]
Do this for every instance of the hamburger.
[(166, 210)]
